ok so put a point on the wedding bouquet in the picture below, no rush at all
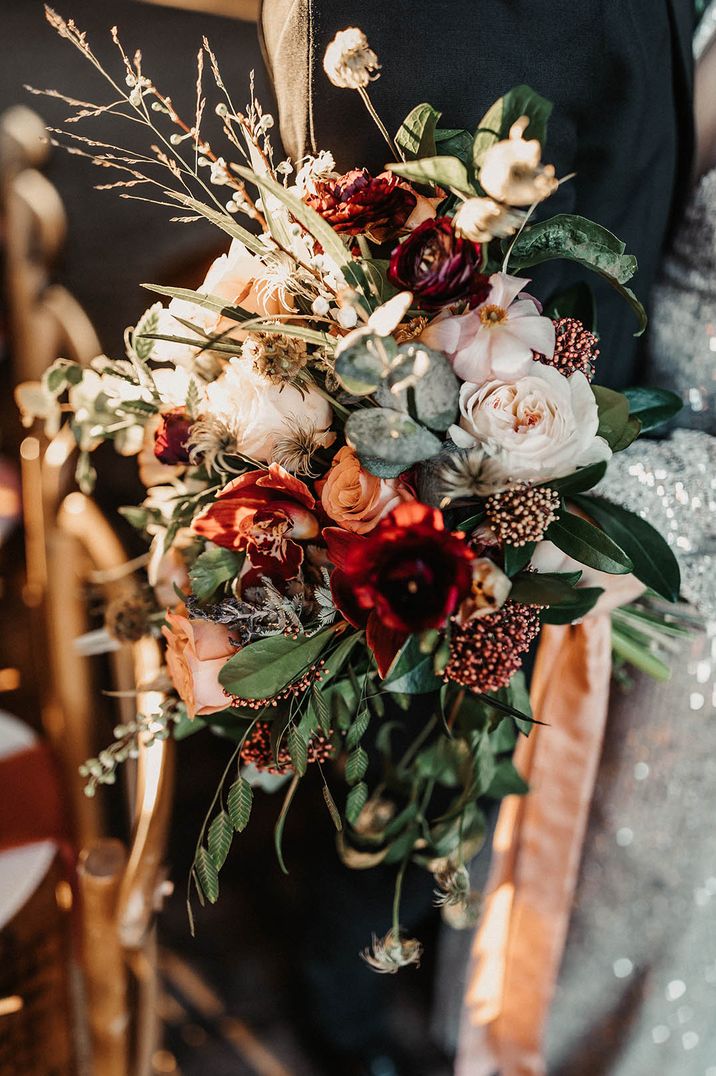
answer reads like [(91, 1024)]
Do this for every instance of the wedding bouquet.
[(368, 450)]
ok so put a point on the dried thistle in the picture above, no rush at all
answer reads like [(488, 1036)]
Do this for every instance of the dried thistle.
[(389, 954)]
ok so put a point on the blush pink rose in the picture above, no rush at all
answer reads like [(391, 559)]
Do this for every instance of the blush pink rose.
[(197, 650)]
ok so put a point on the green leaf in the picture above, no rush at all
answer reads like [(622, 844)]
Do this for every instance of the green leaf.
[(207, 874), (497, 121), (653, 407), (263, 668), (358, 729), (570, 612), (316, 225), (356, 765), (544, 588), (653, 562), (517, 557), (208, 302), (355, 801), (435, 388), (212, 568), (239, 802), (361, 368), (615, 425), (221, 220), (575, 302), (390, 436), (579, 240), (446, 172), (332, 809), (221, 832), (639, 656), (518, 696), (298, 750), (506, 781), (412, 672), (454, 142), (588, 545), (281, 822), (416, 135), (321, 707), (584, 478)]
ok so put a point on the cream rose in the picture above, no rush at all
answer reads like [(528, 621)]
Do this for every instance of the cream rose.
[(540, 426), (355, 499), (197, 650), (261, 414), (240, 278)]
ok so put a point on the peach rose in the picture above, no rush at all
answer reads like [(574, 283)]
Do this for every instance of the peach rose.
[(197, 650), (355, 499)]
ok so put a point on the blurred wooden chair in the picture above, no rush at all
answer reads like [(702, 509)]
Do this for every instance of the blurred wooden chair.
[(73, 556)]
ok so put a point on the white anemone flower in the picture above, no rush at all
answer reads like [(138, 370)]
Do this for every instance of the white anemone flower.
[(512, 171), (497, 338)]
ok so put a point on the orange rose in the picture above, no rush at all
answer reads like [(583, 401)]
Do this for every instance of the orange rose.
[(355, 499), (197, 650)]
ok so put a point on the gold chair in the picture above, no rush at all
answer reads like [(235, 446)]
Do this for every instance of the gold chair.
[(72, 552)]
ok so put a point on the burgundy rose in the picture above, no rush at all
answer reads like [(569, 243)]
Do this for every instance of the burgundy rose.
[(438, 266), (408, 575), (360, 204), (170, 439)]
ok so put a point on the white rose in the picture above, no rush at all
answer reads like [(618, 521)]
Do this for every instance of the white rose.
[(540, 426), (261, 413)]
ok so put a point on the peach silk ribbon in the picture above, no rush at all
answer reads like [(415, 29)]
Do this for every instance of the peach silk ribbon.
[(520, 940)]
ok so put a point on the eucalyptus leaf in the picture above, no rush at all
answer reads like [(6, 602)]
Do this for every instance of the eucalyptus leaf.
[(391, 436), (435, 387)]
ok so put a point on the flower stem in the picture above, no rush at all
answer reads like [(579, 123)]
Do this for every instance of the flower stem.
[(396, 896), (379, 123)]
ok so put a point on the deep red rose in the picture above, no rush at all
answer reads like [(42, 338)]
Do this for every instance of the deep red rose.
[(438, 266), (408, 575), (267, 513), (360, 204), (170, 439)]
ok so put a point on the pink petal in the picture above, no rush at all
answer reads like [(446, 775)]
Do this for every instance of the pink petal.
[(505, 288), (442, 335)]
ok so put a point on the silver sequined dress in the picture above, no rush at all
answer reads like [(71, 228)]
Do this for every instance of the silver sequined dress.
[(637, 988)]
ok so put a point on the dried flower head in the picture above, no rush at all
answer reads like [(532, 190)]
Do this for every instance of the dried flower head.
[(486, 652), (296, 448), (576, 348), (468, 473), (374, 817), (349, 61), (389, 954), (277, 358), (512, 171), (482, 219), (214, 442), (410, 330), (463, 916), (523, 513), (127, 619), (314, 171), (489, 591), (453, 886)]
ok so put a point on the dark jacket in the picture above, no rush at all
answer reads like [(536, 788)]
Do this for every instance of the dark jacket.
[(618, 71)]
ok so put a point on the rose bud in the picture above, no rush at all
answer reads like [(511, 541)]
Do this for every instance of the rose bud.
[(172, 436), (360, 204), (438, 266)]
